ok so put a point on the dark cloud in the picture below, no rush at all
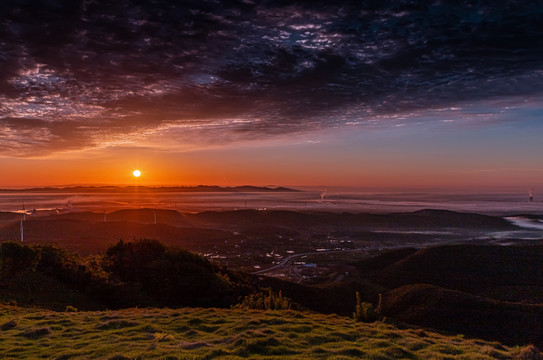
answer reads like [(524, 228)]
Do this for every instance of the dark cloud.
[(84, 73)]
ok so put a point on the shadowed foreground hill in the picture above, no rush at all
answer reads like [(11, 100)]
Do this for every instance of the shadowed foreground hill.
[(141, 273), (477, 269), (463, 313), (493, 292), (226, 334)]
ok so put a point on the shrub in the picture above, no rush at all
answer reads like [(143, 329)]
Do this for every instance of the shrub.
[(169, 276), (129, 261), (365, 312), (15, 258), (265, 301)]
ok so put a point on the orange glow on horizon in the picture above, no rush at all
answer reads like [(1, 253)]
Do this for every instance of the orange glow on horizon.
[(270, 167)]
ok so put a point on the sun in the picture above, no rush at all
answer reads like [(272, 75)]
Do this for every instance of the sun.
[(136, 173)]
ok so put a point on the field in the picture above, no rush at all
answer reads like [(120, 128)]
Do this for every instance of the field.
[(475, 278), (196, 333)]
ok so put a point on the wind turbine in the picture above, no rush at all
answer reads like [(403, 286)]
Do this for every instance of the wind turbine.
[(21, 226)]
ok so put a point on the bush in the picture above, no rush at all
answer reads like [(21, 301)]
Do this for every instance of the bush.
[(365, 312), (265, 301), (16, 258), (129, 261), (170, 276)]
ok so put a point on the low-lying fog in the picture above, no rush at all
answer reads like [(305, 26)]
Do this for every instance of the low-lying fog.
[(308, 199)]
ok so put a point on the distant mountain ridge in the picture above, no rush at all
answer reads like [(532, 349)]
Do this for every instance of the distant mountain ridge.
[(133, 188)]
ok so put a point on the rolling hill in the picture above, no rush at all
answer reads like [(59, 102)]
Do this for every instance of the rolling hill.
[(195, 333)]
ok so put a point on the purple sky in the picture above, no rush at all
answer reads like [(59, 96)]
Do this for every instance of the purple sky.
[(388, 93)]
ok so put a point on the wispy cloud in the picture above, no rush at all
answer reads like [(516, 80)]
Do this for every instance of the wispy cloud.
[(79, 75)]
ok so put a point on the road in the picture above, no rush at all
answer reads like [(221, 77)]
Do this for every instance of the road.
[(286, 260)]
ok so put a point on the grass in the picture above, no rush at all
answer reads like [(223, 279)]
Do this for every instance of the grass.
[(189, 333)]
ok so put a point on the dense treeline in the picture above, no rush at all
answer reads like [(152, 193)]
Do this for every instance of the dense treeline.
[(168, 275), (141, 273)]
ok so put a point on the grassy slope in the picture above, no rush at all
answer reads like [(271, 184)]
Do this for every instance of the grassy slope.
[(230, 334), (487, 291)]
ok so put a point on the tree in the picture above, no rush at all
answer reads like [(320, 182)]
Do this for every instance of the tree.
[(15, 258)]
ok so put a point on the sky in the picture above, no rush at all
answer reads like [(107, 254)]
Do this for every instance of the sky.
[(393, 94)]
